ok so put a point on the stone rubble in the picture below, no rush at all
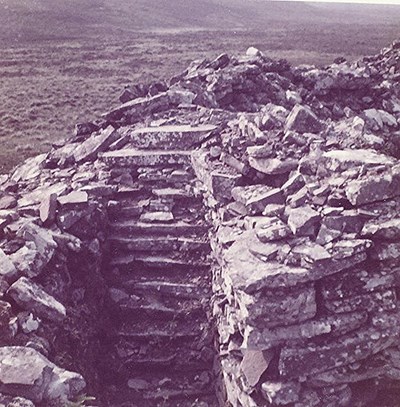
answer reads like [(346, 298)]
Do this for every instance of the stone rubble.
[(230, 237)]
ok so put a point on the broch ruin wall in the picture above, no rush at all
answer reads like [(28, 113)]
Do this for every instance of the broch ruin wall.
[(230, 237)]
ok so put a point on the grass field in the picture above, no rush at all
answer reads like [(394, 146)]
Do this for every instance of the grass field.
[(48, 85)]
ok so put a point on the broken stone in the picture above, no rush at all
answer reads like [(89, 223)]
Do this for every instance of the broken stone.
[(89, 149), (303, 221), (302, 119), (26, 372), (47, 209), (74, 198), (281, 393), (272, 229), (254, 364), (388, 230), (273, 166), (7, 268), (374, 188), (31, 296), (8, 202), (256, 197), (296, 362)]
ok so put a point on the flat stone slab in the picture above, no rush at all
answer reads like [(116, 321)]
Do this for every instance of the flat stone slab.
[(142, 158), (340, 160), (168, 137)]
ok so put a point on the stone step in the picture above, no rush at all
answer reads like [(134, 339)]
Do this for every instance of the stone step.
[(159, 389), (161, 262), (133, 310), (135, 228), (158, 244), (143, 158), (167, 137)]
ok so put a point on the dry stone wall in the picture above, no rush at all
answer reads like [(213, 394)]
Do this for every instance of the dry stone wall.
[(230, 237)]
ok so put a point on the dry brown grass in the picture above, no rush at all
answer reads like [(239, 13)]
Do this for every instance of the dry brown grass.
[(48, 86)]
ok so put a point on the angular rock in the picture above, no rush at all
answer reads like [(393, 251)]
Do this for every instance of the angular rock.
[(272, 229), (74, 198), (26, 372), (303, 221), (273, 308), (303, 120), (387, 230), (7, 267), (8, 202), (268, 338), (342, 160), (281, 393), (256, 197), (374, 188), (254, 364), (89, 149), (273, 166), (298, 362), (48, 209), (30, 296)]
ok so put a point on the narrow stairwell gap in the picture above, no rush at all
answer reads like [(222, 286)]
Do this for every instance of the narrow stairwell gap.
[(161, 350)]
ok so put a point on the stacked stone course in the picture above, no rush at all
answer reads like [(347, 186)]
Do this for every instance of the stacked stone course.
[(246, 197)]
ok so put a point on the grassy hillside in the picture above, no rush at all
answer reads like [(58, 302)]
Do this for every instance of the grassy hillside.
[(63, 61)]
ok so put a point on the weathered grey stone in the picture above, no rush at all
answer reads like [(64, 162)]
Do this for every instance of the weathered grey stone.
[(8, 201), (281, 393), (275, 308), (267, 338), (32, 259), (30, 296), (342, 160), (273, 166), (254, 364), (256, 197), (299, 362), (387, 230), (48, 209), (89, 149), (7, 268), (374, 188), (26, 372), (74, 198), (303, 221), (302, 119), (168, 137), (272, 229), (293, 184), (132, 157), (248, 273)]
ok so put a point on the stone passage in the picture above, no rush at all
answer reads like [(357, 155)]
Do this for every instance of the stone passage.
[(161, 351)]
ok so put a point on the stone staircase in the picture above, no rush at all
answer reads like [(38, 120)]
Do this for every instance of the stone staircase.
[(161, 350)]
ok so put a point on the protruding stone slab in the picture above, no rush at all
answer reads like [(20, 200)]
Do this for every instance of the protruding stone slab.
[(341, 160), (256, 197), (94, 144), (273, 166), (141, 158), (374, 188), (168, 137), (31, 296)]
